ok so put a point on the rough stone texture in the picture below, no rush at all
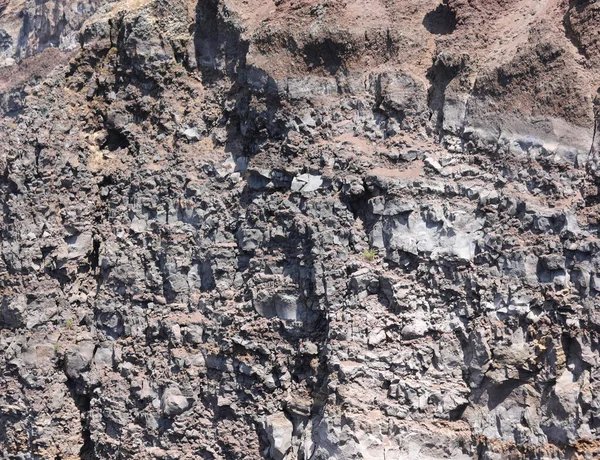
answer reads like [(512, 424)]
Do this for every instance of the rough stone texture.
[(280, 431), (299, 229)]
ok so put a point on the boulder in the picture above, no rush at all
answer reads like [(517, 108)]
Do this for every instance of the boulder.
[(279, 431), (78, 358), (173, 402)]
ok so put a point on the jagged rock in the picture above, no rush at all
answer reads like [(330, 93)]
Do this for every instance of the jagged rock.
[(306, 183), (416, 328), (78, 359), (250, 239), (13, 311), (279, 430), (376, 337), (191, 134), (433, 164), (173, 402), (193, 334)]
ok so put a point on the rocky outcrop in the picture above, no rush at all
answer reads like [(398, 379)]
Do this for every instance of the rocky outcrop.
[(299, 230)]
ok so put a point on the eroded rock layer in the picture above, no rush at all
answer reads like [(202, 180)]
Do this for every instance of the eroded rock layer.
[(299, 230)]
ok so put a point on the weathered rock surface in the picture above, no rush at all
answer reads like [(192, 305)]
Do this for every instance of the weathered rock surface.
[(299, 229)]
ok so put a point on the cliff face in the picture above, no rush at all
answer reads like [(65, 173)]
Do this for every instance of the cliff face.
[(299, 230)]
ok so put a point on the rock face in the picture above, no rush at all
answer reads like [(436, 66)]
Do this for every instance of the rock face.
[(299, 229)]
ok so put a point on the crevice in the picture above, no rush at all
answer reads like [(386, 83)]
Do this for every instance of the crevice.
[(94, 254), (83, 403), (219, 48), (115, 140)]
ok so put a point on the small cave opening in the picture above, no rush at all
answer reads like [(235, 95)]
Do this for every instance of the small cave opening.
[(441, 21), (116, 140), (327, 55)]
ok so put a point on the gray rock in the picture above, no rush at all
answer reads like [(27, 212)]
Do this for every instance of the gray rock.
[(433, 164), (279, 430), (250, 239), (414, 329), (13, 311), (193, 334), (191, 134), (78, 359), (173, 402), (306, 183)]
